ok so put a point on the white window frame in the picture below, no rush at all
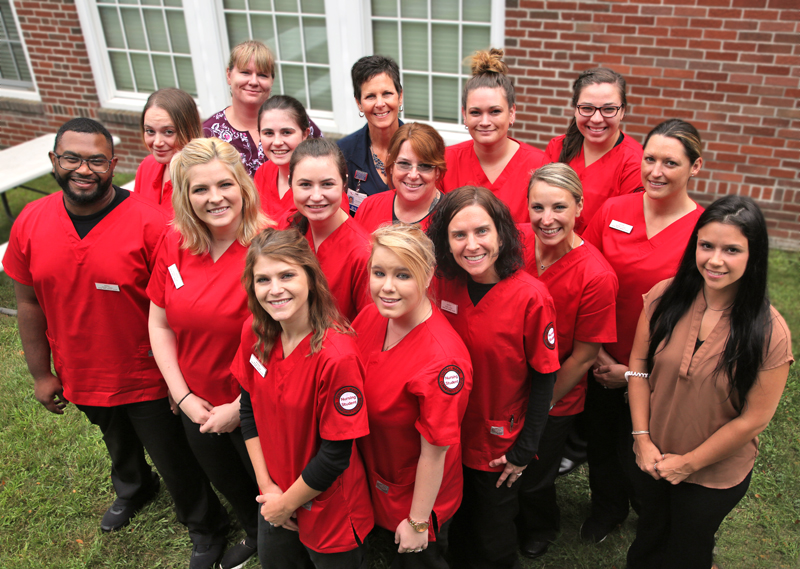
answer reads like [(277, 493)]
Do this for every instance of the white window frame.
[(349, 29), (24, 93)]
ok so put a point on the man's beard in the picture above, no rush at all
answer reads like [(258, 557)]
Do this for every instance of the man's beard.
[(82, 198)]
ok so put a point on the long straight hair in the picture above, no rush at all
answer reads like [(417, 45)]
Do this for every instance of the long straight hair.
[(750, 321)]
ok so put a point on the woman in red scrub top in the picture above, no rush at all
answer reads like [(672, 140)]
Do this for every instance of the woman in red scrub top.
[(302, 389), (197, 309), (584, 289), (507, 321), (606, 160), (417, 381), (642, 236), (492, 159), (414, 170), (318, 175), (169, 121), (282, 124)]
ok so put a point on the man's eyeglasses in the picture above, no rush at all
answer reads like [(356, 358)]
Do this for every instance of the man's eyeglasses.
[(72, 162)]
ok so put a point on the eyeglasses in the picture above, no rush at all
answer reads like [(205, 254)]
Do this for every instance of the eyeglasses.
[(72, 162), (404, 166), (605, 112)]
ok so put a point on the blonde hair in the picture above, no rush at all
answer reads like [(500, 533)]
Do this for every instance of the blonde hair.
[(411, 245), (195, 235), (255, 50), (558, 175), (490, 71)]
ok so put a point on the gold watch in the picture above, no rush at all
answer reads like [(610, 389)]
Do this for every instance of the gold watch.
[(419, 527)]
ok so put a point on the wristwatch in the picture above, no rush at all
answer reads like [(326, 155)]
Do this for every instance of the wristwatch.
[(419, 527)]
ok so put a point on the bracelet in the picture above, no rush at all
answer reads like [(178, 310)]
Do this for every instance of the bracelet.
[(629, 374), (640, 432), (184, 399)]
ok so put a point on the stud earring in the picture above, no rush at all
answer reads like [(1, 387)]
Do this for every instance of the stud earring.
[(401, 108), (361, 114)]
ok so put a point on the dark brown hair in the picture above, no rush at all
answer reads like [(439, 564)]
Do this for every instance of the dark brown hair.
[(489, 70), (182, 111)]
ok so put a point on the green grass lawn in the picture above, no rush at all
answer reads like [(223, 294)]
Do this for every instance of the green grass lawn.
[(55, 486)]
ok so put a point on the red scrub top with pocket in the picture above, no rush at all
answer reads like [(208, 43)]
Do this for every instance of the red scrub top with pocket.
[(511, 328), (278, 209), (378, 209), (617, 173), (206, 306), (344, 258), (92, 292), (297, 401), (419, 387), (584, 290), (619, 232), (148, 184), (464, 169)]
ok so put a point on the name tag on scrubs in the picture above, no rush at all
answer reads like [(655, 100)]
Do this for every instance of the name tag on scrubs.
[(619, 226), (497, 431), (381, 486), (450, 307), (103, 286), (258, 365), (176, 276), (355, 198), (307, 505)]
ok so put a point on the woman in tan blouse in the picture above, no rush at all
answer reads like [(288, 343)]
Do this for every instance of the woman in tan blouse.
[(708, 366)]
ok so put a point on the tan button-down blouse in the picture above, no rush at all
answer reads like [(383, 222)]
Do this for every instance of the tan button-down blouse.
[(689, 402)]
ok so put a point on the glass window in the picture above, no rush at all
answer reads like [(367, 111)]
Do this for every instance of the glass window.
[(147, 44), (296, 32), (14, 70), (430, 40)]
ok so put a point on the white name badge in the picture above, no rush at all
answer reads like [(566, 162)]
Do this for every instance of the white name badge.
[(176, 276), (103, 286), (355, 198), (619, 226), (258, 365), (450, 307)]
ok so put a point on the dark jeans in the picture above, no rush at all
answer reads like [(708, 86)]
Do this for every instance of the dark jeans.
[(433, 557), (608, 427), (280, 548), (130, 429), (225, 461), (677, 523), (539, 516), (484, 533)]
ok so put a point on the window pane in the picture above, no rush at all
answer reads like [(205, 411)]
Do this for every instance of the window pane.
[(316, 40), (294, 83), (319, 81), (445, 9), (474, 38), (185, 75), (174, 3), (414, 8), (445, 99), (237, 28), (112, 29), (415, 96), (7, 68), (286, 6), (385, 39), (134, 31), (264, 31), (444, 53), (260, 5), (156, 30), (234, 4), (289, 38), (142, 72), (177, 32), (164, 74), (14, 71), (8, 20), (415, 46), (477, 10), (121, 70), (313, 6), (386, 8)]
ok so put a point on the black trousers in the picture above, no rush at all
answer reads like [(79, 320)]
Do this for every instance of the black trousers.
[(130, 429), (431, 558), (539, 517), (677, 523), (225, 461), (280, 548), (608, 427), (484, 533)]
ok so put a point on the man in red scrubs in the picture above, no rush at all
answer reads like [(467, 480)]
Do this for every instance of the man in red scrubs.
[(81, 260)]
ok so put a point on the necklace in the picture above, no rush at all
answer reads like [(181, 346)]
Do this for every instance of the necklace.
[(377, 161), (400, 339), (715, 309), (571, 247)]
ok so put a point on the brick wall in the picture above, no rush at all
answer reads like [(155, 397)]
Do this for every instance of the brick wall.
[(730, 67), (60, 64)]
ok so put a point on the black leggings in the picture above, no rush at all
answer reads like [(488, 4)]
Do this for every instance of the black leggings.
[(677, 523)]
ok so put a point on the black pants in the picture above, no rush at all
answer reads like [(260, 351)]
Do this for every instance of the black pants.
[(130, 429), (608, 427), (225, 461), (539, 516), (280, 548), (677, 523), (484, 533), (431, 558)]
